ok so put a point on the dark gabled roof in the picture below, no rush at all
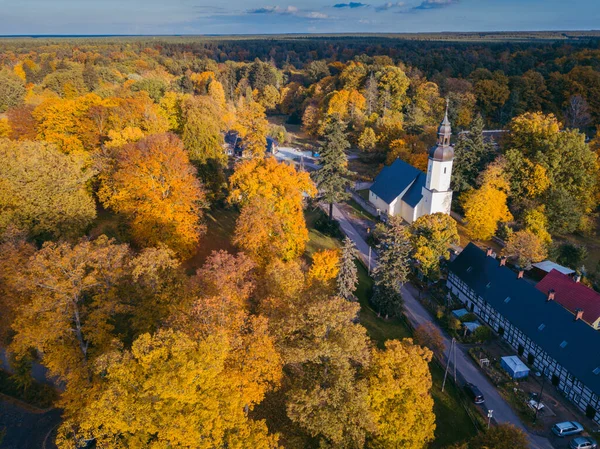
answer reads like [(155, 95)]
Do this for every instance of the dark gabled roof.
[(394, 179), (415, 192), (572, 295), (546, 323)]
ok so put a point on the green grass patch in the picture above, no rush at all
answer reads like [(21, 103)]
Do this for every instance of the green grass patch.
[(317, 240), (359, 211)]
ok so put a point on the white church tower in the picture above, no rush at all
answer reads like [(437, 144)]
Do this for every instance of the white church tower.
[(437, 196)]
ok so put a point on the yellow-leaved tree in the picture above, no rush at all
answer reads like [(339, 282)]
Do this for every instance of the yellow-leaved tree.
[(486, 207), (399, 396), (153, 184), (431, 238), (169, 390), (271, 224), (253, 127)]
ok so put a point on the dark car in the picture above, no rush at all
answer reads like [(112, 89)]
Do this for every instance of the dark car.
[(474, 394)]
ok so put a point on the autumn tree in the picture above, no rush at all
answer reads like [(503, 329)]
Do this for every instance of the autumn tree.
[(486, 207), (563, 157), (168, 390), (399, 384), (252, 126), (67, 309), (429, 336), (153, 184), (202, 130), (431, 239), (347, 278), (392, 268), (221, 293), (323, 349), (325, 268), (44, 192), (270, 194), (536, 222), (12, 90), (502, 436), (367, 140), (332, 176), (526, 248)]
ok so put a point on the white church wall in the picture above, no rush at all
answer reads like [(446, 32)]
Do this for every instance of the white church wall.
[(378, 202)]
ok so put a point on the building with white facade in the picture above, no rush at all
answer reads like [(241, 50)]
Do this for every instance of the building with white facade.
[(401, 189), (547, 336)]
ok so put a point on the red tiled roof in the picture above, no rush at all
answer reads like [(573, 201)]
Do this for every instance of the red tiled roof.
[(572, 295)]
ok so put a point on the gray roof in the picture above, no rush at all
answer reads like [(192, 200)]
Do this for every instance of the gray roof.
[(573, 344), (394, 179), (548, 266)]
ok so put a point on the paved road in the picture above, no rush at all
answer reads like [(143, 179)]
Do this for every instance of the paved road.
[(26, 429), (467, 370)]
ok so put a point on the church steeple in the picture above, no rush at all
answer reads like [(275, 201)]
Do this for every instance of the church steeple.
[(443, 151), (445, 130)]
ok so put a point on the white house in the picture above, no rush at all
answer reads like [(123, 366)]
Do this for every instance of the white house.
[(401, 189)]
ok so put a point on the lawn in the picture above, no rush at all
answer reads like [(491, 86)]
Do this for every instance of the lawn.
[(359, 211)]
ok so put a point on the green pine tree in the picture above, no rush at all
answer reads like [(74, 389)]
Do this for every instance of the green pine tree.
[(347, 278), (332, 176), (392, 268), (471, 154)]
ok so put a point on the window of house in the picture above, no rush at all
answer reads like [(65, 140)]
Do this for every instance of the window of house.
[(564, 344)]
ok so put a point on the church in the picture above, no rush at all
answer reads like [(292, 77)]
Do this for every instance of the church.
[(401, 189)]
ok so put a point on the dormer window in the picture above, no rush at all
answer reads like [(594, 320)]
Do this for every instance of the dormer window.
[(596, 371), (507, 300), (541, 327)]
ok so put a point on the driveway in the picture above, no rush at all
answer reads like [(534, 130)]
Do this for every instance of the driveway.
[(27, 428), (466, 369)]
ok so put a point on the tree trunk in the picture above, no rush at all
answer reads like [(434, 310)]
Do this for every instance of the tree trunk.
[(330, 211)]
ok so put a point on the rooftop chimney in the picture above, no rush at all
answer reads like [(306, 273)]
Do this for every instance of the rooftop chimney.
[(551, 294), (503, 261), (489, 252), (520, 275), (577, 277), (578, 314)]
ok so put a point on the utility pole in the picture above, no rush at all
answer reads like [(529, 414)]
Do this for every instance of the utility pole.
[(369, 260), (451, 354)]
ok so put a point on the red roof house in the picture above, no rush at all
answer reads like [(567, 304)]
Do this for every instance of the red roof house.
[(573, 296)]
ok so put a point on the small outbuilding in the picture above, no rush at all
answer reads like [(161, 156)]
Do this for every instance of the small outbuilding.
[(460, 313), (471, 326), (515, 368)]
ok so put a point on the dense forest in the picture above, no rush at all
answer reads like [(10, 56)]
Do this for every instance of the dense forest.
[(113, 156)]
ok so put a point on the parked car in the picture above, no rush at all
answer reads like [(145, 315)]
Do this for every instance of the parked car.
[(583, 443), (563, 429), (474, 393)]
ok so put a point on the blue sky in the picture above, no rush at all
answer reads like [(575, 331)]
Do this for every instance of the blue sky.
[(297, 16)]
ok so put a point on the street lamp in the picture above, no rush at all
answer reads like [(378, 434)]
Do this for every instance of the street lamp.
[(490, 413)]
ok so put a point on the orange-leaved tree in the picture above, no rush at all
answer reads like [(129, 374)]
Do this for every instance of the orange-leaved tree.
[(154, 185)]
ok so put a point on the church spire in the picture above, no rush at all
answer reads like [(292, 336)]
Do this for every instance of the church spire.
[(445, 130)]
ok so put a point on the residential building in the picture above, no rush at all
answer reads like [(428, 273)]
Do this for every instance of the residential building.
[(546, 335)]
